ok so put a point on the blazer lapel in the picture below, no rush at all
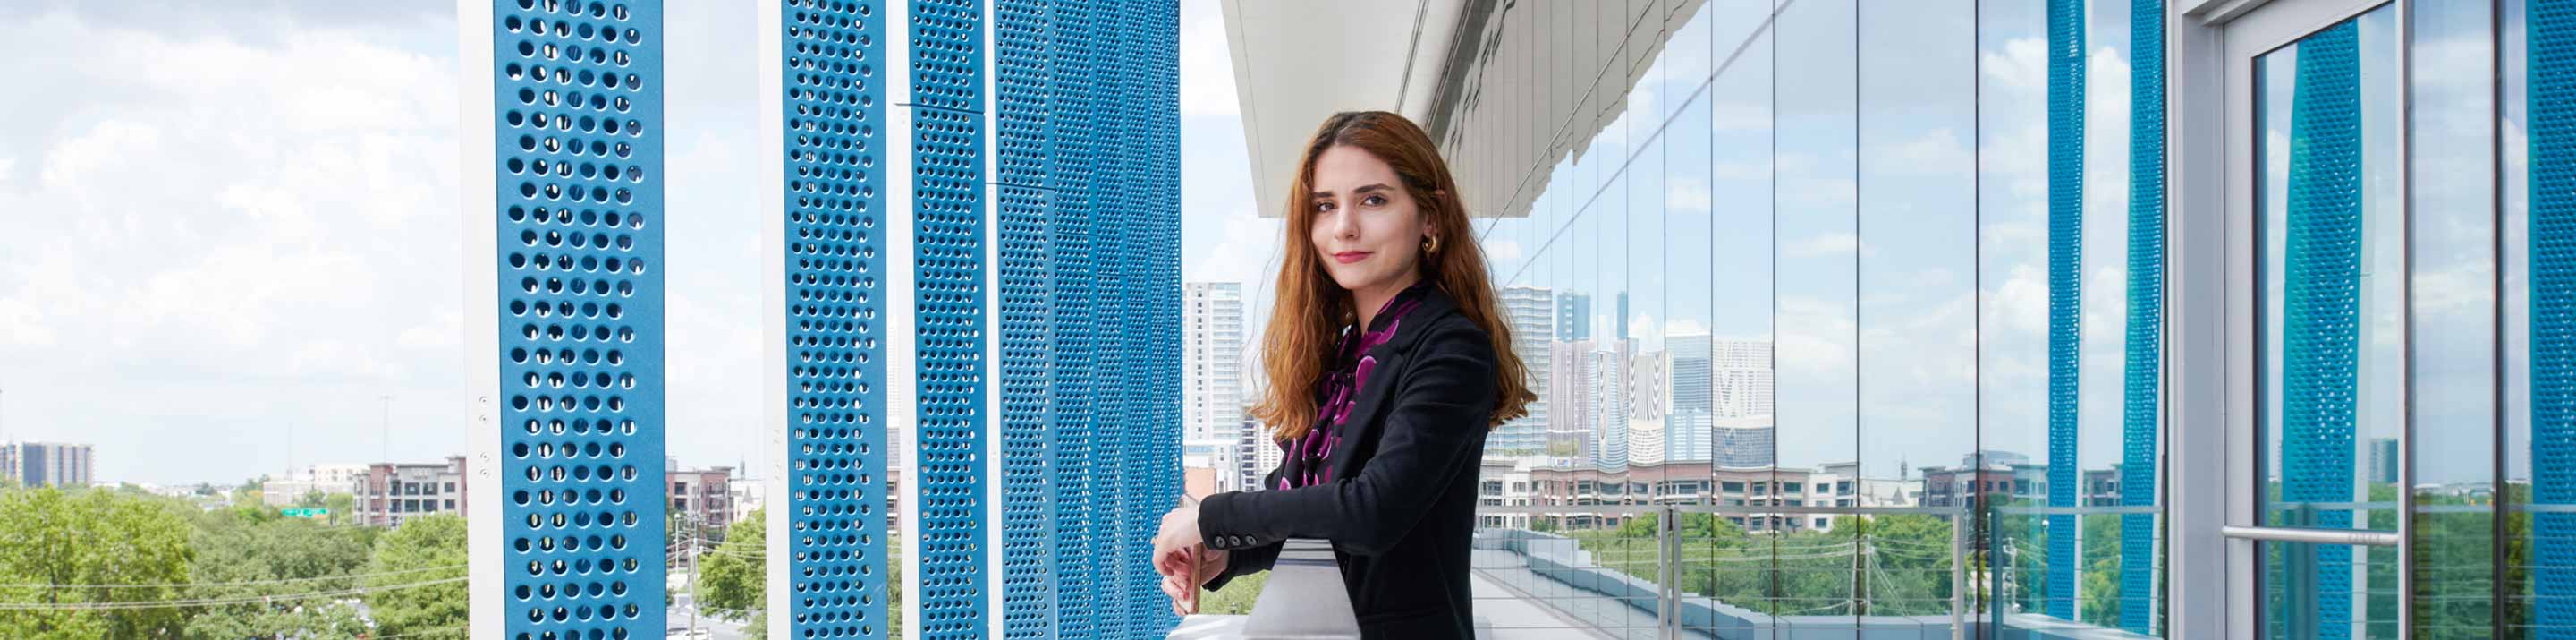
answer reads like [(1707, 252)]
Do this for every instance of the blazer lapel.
[(1384, 376)]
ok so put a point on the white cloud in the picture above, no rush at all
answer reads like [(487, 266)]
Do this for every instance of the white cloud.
[(1686, 194), (250, 227), (1686, 327), (1938, 152), (1825, 244), (2020, 304), (69, 165), (1207, 66), (1246, 251), (1502, 250), (1738, 114), (1753, 170), (2023, 64), (1815, 336), (2452, 290)]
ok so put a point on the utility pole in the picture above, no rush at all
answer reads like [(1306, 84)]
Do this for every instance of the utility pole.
[(385, 452), (693, 578)]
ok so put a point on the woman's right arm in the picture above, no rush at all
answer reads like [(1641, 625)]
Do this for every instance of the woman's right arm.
[(1248, 561)]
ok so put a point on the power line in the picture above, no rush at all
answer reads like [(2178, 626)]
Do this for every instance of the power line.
[(183, 585), (216, 602), (423, 632)]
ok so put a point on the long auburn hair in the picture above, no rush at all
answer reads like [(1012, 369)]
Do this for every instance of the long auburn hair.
[(1310, 308)]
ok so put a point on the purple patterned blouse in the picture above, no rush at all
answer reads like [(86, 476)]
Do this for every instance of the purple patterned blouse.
[(1310, 455)]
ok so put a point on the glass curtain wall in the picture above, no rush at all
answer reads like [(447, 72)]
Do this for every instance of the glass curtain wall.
[(1865, 297)]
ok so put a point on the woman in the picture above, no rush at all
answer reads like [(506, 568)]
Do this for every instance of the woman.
[(1388, 361)]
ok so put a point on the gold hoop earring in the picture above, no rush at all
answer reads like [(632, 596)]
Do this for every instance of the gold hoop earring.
[(1430, 244)]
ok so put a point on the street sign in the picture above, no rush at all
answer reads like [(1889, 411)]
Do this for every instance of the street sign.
[(305, 512)]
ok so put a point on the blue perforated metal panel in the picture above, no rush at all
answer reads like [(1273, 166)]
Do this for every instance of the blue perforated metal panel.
[(2142, 370), (2321, 305), (577, 116), (2065, 275), (946, 63), (2552, 63), (1088, 142), (1027, 318), (836, 447), (1153, 36)]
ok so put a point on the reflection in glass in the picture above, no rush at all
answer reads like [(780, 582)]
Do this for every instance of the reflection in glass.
[(1818, 249), (2453, 311), (2330, 229), (1916, 252)]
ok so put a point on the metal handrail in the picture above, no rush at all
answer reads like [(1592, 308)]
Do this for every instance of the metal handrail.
[(2354, 537), (1721, 509)]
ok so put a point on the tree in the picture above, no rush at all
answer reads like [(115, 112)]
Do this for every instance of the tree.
[(76, 543), (293, 557), (894, 586), (418, 577), (733, 578), (342, 506), (1237, 596)]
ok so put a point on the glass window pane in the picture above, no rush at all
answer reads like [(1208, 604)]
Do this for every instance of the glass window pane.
[(1916, 251), (2331, 367), (2453, 309), (1818, 253)]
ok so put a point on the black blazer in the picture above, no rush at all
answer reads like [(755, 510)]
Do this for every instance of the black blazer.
[(1401, 510)]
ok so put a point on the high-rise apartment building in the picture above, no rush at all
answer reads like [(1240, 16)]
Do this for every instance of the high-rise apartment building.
[(1212, 349), (1531, 314), (48, 464)]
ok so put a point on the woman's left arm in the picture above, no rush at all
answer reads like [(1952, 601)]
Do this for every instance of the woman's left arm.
[(1439, 414)]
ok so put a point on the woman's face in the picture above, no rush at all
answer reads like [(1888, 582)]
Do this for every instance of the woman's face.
[(1368, 231)]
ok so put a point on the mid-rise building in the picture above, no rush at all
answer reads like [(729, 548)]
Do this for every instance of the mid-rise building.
[(343, 477), (394, 492), (47, 464), (1744, 442), (702, 497), (1693, 483)]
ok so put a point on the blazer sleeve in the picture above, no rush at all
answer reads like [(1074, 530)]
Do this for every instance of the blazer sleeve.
[(1432, 432), (1247, 561)]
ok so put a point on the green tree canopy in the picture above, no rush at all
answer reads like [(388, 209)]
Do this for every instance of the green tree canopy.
[(417, 581), (65, 548), (732, 577), (299, 566)]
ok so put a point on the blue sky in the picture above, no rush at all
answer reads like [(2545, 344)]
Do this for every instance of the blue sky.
[(228, 226), (215, 227)]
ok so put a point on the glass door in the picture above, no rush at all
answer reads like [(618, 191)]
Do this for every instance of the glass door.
[(2319, 184)]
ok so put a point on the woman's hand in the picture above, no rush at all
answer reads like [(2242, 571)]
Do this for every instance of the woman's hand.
[(1197, 565), (1180, 529), (1183, 559)]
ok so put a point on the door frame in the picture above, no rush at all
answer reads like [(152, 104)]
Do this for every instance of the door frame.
[(2212, 45)]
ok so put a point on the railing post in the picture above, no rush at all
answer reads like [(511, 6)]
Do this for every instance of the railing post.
[(1958, 576), (1984, 514), (1668, 554)]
